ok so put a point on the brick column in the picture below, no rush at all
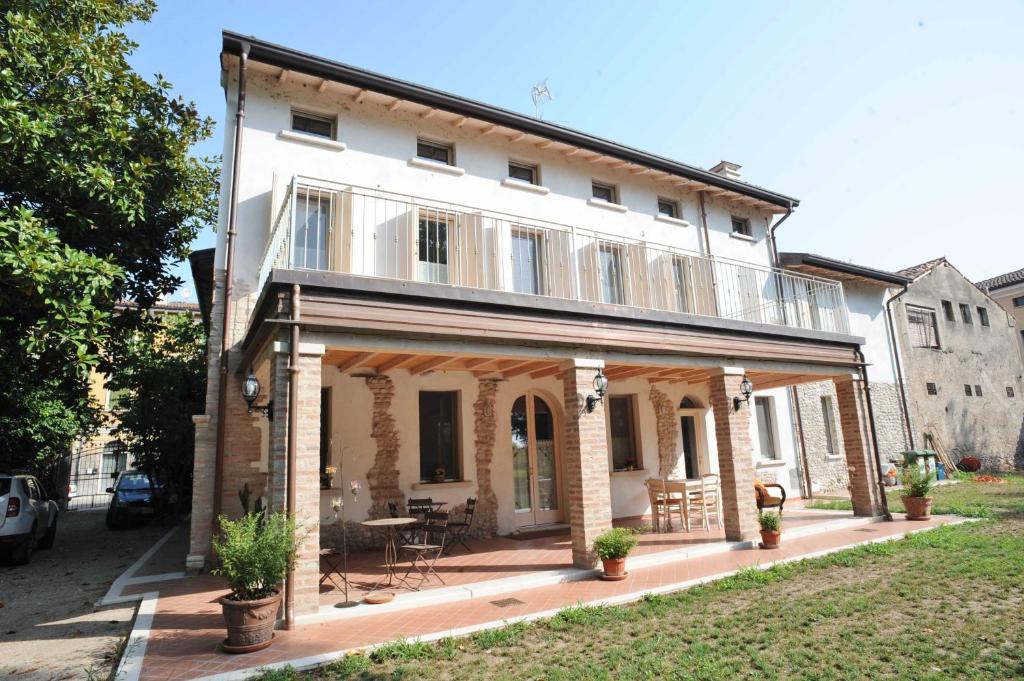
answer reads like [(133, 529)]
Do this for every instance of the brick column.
[(860, 464), (585, 456), (735, 455)]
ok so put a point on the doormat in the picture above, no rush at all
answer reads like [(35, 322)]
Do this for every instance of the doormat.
[(540, 534), (506, 602)]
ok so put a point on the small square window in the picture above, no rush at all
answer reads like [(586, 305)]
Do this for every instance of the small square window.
[(947, 309), (605, 192), (967, 389), (523, 171), (1009, 391), (1018, 301), (741, 226), (668, 208), (435, 151), (311, 124), (977, 391), (965, 313), (932, 388), (983, 315)]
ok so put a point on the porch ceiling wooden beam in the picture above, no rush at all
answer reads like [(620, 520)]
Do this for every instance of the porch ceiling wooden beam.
[(526, 368), (395, 362), (460, 121), (428, 114), (429, 365), (569, 153), (283, 76), (627, 372), (356, 360), (322, 86), (784, 380), (517, 137), (545, 144), (488, 130), (474, 362), (395, 105), (549, 371)]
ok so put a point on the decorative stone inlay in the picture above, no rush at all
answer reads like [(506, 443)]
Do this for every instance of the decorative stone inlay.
[(382, 478), (665, 413), (485, 522)]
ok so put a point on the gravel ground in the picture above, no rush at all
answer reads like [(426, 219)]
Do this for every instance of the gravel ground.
[(50, 627)]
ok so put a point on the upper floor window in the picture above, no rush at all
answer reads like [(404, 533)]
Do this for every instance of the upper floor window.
[(983, 315), (115, 458), (977, 391), (741, 226), (435, 151), (947, 309), (931, 388), (967, 389), (314, 210), (527, 251), (921, 324), (604, 192), (312, 124), (668, 208), (115, 399), (1009, 391), (1018, 301), (524, 172), (610, 269), (965, 313)]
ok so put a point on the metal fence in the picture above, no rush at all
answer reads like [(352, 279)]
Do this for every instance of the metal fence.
[(320, 225), (86, 474)]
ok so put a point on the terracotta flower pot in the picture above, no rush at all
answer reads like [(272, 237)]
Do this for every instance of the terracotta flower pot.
[(918, 508), (250, 624), (614, 569), (770, 540)]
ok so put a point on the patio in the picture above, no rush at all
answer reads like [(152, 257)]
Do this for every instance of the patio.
[(502, 580)]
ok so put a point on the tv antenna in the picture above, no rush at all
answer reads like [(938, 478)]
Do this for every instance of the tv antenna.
[(541, 94)]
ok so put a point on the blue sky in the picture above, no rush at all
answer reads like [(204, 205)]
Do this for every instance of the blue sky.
[(900, 126)]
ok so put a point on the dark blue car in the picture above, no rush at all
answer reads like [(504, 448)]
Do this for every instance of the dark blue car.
[(135, 496)]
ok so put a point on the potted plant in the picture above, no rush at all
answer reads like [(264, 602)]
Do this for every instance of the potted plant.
[(612, 547), (771, 529), (440, 474), (255, 552), (917, 484)]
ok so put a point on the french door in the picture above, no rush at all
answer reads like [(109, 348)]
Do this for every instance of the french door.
[(535, 468)]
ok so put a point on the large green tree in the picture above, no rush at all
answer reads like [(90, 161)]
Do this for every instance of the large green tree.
[(99, 197)]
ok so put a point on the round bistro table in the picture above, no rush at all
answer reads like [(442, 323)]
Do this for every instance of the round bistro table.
[(390, 549)]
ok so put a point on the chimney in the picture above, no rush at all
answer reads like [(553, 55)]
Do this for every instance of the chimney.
[(727, 169)]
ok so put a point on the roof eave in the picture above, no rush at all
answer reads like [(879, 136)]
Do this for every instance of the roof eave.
[(793, 259)]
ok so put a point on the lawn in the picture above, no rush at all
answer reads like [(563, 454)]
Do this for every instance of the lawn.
[(943, 604)]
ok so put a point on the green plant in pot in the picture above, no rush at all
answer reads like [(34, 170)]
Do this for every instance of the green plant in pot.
[(771, 529), (612, 547), (255, 553), (917, 487)]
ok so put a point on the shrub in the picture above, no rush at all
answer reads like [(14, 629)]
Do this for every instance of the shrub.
[(770, 522), (616, 543), (255, 554), (916, 482)]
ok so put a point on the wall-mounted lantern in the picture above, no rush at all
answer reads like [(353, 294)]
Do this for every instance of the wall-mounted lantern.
[(746, 390), (601, 388), (251, 391)]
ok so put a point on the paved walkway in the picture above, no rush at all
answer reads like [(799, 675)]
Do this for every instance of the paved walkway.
[(186, 625)]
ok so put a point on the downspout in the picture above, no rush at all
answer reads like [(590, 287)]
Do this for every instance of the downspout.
[(773, 247), (874, 435), (293, 425), (229, 270), (707, 250), (899, 369)]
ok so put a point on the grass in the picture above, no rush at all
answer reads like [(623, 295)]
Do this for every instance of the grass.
[(942, 604)]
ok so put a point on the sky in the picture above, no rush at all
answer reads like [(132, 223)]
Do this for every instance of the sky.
[(899, 126)]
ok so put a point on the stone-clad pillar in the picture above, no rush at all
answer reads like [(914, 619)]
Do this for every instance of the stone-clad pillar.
[(852, 403), (588, 485), (735, 455)]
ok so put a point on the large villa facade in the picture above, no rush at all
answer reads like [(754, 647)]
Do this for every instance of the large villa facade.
[(426, 288)]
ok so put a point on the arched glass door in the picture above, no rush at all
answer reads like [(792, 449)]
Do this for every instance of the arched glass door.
[(534, 462)]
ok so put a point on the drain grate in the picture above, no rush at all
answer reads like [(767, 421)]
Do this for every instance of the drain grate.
[(506, 602)]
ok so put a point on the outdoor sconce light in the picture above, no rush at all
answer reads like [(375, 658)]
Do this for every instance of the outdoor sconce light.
[(250, 391), (601, 388), (746, 390)]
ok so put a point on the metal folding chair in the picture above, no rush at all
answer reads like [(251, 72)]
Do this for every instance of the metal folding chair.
[(460, 528), (426, 552), (408, 534)]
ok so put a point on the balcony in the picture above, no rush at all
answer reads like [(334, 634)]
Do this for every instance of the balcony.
[(325, 226)]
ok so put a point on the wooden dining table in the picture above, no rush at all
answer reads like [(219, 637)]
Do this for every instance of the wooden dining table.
[(683, 487)]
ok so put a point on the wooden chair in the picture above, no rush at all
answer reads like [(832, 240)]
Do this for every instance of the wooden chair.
[(426, 552), (765, 499), (677, 497), (460, 528), (707, 501), (662, 504)]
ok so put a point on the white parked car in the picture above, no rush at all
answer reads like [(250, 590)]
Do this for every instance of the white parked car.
[(27, 518)]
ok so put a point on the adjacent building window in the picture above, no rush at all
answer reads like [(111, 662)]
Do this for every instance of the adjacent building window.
[(439, 435), (1018, 302), (983, 315), (610, 266), (435, 151), (524, 172), (965, 313), (1009, 391), (947, 309), (931, 388), (311, 124), (741, 226), (115, 459), (116, 399), (828, 415), (922, 327), (526, 261), (605, 192), (668, 208), (967, 389), (977, 391), (765, 410), (622, 423)]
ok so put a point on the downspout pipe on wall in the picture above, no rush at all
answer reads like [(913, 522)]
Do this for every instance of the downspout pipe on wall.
[(874, 434), (899, 369), (771, 236), (293, 424), (229, 267)]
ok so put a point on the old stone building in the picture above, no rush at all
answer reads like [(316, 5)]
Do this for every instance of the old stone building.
[(1008, 290)]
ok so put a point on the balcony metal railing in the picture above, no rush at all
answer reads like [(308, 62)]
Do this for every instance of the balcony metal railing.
[(320, 225)]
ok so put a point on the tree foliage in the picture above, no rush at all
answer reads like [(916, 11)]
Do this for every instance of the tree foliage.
[(99, 197), (162, 380)]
